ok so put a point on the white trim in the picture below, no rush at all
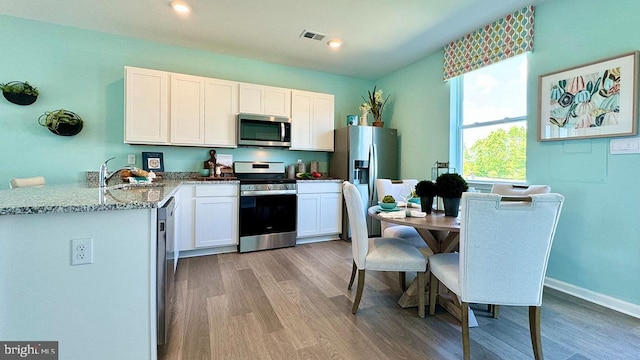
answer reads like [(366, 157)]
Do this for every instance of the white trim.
[(315, 239), (594, 297)]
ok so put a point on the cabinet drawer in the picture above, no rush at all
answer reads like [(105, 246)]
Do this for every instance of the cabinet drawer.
[(217, 190), (319, 187)]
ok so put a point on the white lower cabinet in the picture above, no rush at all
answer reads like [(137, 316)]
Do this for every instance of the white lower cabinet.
[(209, 216), (319, 209), (216, 215)]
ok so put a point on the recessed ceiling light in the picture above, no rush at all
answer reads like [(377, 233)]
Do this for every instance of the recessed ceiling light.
[(334, 43), (181, 7)]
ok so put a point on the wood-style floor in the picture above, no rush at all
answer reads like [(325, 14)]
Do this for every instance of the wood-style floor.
[(293, 303)]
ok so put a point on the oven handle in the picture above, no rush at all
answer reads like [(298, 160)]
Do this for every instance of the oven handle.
[(267, 192)]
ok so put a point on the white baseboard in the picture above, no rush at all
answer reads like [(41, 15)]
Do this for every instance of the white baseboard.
[(316, 239), (594, 297)]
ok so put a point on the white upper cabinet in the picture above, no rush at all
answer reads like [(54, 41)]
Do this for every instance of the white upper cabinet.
[(163, 108), (146, 118), (220, 110), (312, 121), (265, 100), (187, 110)]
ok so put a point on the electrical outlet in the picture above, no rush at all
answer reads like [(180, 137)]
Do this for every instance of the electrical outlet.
[(81, 251), (131, 159)]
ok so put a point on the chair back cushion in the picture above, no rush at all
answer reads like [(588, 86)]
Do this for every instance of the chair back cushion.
[(508, 189), (357, 222), (504, 247), (395, 189)]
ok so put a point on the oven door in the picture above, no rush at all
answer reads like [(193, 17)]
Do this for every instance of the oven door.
[(267, 221)]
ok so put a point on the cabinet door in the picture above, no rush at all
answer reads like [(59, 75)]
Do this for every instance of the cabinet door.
[(251, 99), (216, 221), (312, 121), (187, 109), (301, 114), (331, 210), (220, 109), (264, 100), (323, 122), (308, 214), (146, 106), (277, 101)]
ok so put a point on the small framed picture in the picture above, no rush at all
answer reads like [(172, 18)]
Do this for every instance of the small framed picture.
[(152, 161)]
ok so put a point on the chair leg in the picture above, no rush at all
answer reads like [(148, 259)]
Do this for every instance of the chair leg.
[(433, 294), (356, 301), (464, 314), (534, 328), (422, 283), (353, 275), (402, 276)]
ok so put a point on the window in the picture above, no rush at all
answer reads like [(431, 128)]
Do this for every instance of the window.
[(489, 127)]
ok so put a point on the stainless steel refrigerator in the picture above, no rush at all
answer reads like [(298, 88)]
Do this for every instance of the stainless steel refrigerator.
[(363, 154)]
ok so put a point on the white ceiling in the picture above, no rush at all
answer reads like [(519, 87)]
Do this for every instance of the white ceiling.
[(378, 36)]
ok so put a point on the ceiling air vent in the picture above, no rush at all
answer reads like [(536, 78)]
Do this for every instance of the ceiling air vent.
[(314, 35)]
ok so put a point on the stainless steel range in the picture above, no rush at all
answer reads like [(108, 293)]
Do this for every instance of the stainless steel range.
[(268, 206)]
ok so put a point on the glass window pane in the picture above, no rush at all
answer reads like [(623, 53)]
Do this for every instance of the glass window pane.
[(496, 91), (496, 152)]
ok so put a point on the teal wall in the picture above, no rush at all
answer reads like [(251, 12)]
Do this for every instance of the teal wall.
[(83, 71), (419, 109), (597, 245)]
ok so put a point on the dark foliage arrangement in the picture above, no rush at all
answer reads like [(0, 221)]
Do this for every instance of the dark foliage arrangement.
[(451, 185)]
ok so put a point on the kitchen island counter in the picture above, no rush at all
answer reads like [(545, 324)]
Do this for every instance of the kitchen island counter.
[(77, 197)]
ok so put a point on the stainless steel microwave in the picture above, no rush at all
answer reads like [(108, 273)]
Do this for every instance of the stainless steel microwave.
[(264, 130)]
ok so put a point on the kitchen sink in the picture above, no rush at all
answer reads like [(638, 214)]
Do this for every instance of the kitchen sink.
[(134, 186)]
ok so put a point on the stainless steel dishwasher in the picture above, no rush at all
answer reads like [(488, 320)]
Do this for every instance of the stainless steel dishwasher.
[(164, 269)]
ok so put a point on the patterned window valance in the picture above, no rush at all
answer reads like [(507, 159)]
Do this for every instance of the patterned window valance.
[(502, 39)]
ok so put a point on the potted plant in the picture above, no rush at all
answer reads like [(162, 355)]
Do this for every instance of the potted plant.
[(61, 122), (450, 187), (375, 103), (426, 190), (20, 93)]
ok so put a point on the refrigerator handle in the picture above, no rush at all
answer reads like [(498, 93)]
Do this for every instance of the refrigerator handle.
[(373, 171)]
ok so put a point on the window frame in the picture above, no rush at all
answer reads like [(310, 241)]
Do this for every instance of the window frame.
[(456, 141)]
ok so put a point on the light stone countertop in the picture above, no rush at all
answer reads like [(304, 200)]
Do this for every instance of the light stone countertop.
[(78, 197)]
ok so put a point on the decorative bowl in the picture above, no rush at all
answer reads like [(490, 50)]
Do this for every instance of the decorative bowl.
[(387, 206), (415, 200)]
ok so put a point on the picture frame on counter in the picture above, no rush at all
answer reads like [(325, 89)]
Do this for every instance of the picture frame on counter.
[(152, 161)]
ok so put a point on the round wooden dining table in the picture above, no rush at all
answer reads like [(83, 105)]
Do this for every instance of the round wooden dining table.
[(442, 234)]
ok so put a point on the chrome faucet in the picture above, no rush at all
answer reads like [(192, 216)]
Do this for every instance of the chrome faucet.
[(105, 175)]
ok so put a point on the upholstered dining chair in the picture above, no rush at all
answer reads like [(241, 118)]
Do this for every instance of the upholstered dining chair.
[(504, 249), (519, 190), (395, 189), (381, 253), (515, 190), (25, 182)]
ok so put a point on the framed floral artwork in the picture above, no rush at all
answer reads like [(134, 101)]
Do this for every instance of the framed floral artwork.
[(593, 100)]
